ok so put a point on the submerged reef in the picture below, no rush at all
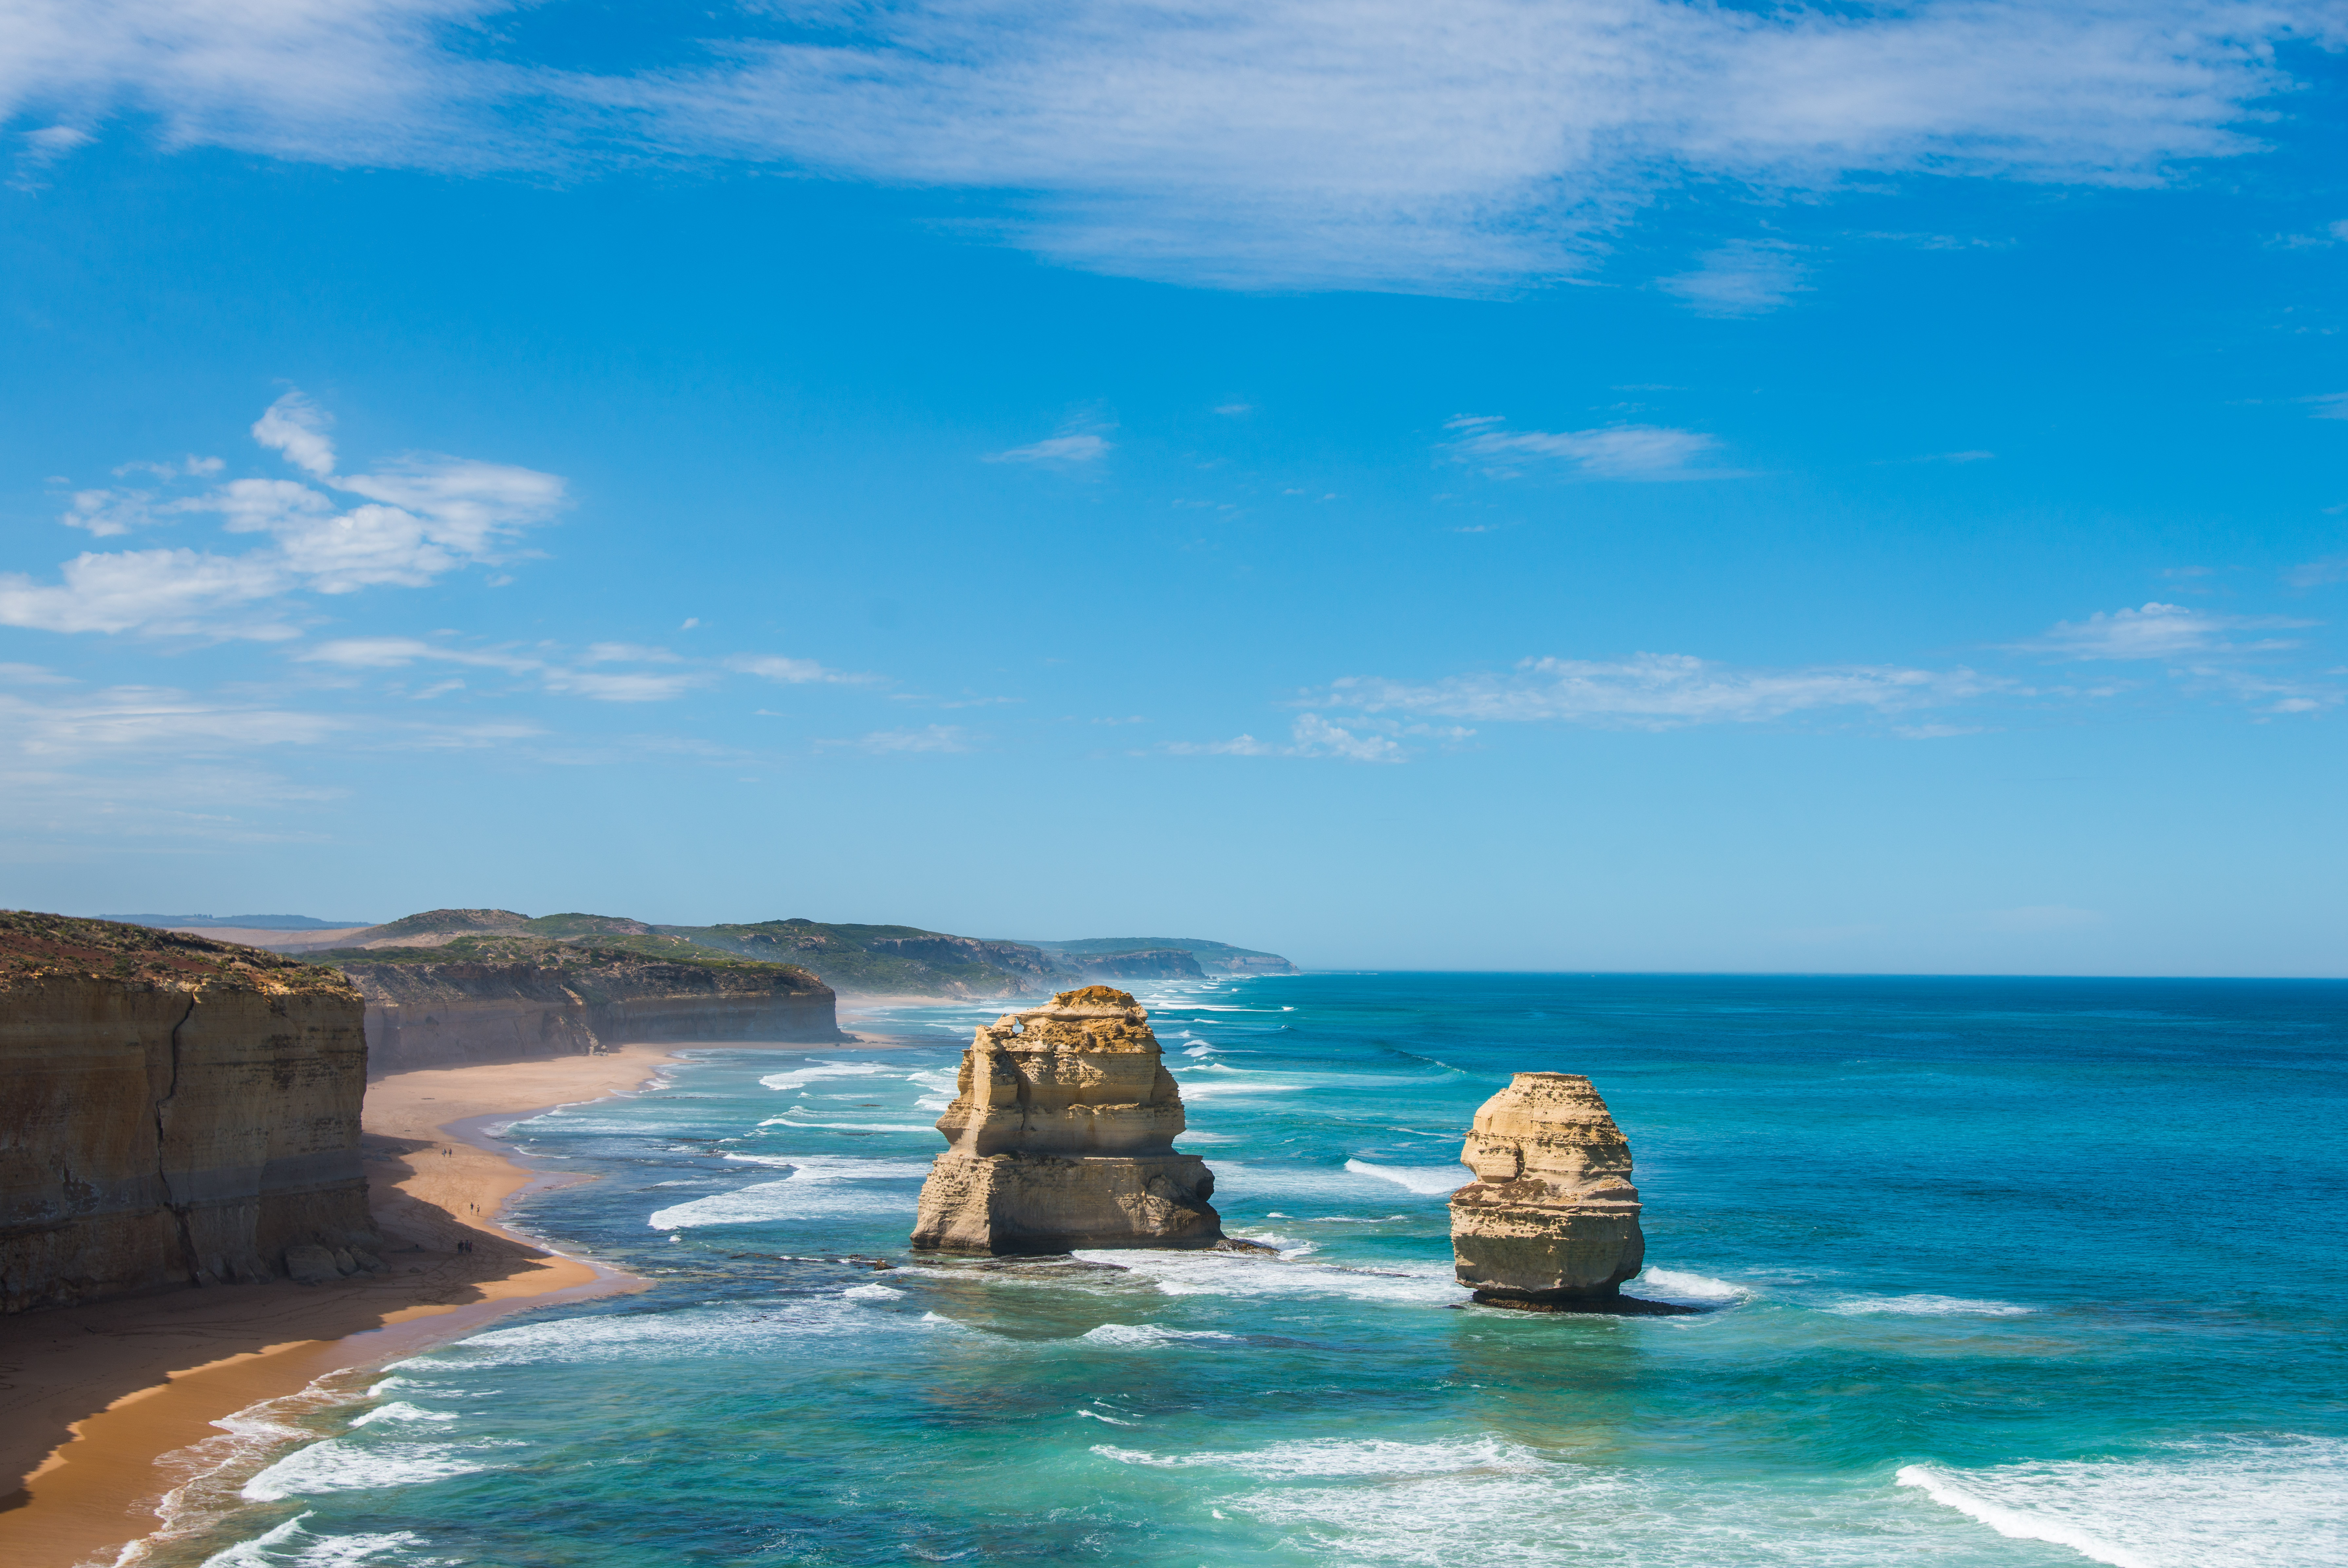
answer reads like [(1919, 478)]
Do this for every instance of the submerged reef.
[(1062, 1135), (1551, 1221)]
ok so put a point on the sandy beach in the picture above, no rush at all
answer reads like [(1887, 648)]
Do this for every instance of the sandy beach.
[(92, 1397)]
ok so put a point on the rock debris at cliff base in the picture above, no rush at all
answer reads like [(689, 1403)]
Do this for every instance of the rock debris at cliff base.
[(1062, 1132)]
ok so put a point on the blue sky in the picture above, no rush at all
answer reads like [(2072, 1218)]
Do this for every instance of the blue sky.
[(1605, 484)]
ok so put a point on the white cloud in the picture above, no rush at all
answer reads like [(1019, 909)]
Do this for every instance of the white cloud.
[(2331, 405), (297, 428), (427, 515), (32, 674), (793, 672), (554, 675), (1745, 278), (1608, 452), (163, 591), (931, 737), (1289, 142), (2156, 631), (1067, 451), (1659, 691), (126, 719), (1310, 736)]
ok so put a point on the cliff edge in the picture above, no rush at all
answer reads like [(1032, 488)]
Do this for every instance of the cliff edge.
[(176, 1111), (474, 999)]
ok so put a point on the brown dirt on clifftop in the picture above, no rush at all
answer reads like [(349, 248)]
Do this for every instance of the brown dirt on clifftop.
[(36, 946)]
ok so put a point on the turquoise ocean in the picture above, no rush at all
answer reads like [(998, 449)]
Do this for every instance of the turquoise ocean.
[(2016, 1274)]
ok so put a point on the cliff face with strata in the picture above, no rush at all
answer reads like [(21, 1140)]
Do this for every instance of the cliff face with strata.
[(1062, 1133), (1552, 1217), (506, 999), (173, 1111)]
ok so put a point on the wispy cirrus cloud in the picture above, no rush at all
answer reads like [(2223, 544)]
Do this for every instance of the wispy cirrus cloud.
[(1660, 691), (795, 672), (934, 737), (418, 518), (582, 677), (1744, 277), (1310, 736), (1072, 450), (2158, 631), (1606, 452), (1299, 143)]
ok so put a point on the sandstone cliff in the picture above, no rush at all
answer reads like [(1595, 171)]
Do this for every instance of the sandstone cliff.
[(1062, 1135), (505, 999), (173, 1111), (1552, 1217)]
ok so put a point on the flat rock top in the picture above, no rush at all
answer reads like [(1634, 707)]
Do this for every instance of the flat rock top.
[(35, 946)]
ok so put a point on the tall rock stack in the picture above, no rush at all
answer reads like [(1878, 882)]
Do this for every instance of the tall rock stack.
[(173, 1111), (1062, 1136), (1551, 1221)]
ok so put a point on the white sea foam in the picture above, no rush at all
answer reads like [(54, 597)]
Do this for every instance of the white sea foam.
[(1927, 1307), (1112, 1421), (739, 1330), (1350, 1457), (1201, 1049), (821, 1186), (850, 1126), (871, 1293), (1148, 1334), (1685, 1289), (1248, 1180), (2277, 1503), (336, 1465), (1216, 1089), (292, 1545), (1233, 1275), (799, 1077), (401, 1410), (1194, 1136), (1429, 1181)]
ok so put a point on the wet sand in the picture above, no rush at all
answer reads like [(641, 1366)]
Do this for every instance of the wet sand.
[(92, 1397)]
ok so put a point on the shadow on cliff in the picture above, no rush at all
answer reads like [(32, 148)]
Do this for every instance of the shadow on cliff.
[(62, 1365)]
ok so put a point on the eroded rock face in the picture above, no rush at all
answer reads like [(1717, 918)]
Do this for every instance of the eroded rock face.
[(173, 1111), (1063, 1136), (510, 999), (1552, 1217)]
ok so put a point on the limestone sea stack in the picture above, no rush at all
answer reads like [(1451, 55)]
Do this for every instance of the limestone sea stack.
[(1551, 1219), (1062, 1136)]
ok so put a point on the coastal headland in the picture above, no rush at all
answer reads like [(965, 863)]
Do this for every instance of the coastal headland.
[(91, 1398)]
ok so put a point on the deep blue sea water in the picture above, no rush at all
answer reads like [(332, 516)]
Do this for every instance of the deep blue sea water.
[(2012, 1273)]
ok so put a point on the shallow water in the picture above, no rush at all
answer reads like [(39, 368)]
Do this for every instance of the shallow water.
[(2010, 1273)]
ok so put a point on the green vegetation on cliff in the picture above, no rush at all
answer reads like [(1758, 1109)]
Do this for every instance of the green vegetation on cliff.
[(34, 946), (545, 952)]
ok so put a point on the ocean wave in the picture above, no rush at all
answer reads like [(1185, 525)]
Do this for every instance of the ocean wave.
[(293, 1546), (1927, 1307), (2277, 1502), (794, 1198), (1427, 1180), (1247, 1179), (1350, 1457), (1211, 1088), (1685, 1289), (693, 1333), (871, 1293), (336, 1465), (1150, 1334), (799, 1077), (834, 1167), (401, 1410), (788, 1120), (1228, 1273)]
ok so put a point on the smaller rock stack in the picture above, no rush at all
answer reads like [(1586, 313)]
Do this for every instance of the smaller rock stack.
[(1063, 1136), (1551, 1221)]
